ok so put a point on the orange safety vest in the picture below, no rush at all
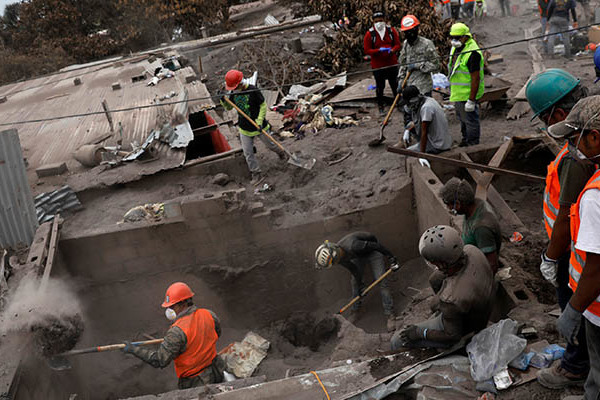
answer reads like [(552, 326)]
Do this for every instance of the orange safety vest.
[(552, 191), (577, 261), (445, 1), (201, 349)]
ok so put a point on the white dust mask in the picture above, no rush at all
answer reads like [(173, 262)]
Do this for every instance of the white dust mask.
[(380, 27), (170, 314), (456, 43)]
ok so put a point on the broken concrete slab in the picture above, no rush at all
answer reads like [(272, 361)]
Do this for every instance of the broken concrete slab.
[(51, 169)]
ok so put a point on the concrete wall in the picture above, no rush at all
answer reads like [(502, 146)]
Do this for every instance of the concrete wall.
[(236, 256)]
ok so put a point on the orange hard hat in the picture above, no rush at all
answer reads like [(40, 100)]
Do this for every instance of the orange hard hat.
[(408, 22), (233, 77), (177, 292)]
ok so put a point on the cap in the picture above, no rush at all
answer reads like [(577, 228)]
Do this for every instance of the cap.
[(378, 14), (409, 92), (584, 115)]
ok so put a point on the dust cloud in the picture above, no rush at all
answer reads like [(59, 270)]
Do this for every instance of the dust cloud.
[(52, 314)]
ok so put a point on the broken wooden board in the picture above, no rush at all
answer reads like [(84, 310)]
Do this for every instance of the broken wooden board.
[(518, 110), (484, 182), (495, 59), (360, 91)]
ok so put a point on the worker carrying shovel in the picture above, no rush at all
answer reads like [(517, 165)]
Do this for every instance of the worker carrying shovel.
[(354, 252), (190, 341), (250, 100)]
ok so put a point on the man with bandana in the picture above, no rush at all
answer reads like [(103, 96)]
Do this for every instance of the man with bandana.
[(428, 124), (418, 56), (382, 44)]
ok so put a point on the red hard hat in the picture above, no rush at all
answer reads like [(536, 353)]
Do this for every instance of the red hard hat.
[(177, 292), (408, 22), (233, 77)]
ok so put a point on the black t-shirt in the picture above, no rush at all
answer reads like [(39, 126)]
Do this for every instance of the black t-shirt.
[(474, 62), (249, 102), (356, 245)]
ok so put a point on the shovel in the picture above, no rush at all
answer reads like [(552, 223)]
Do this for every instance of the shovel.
[(378, 141), (393, 268), (293, 158), (59, 362)]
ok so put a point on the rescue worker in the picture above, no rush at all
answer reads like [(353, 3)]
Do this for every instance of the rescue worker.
[(429, 126), (582, 130), (446, 9), (190, 342), (480, 226), (468, 8), (251, 101), (418, 56), (464, 286), (466, 81), (382, 43), (543, 8), (505, 7), (455, 9), (480, 10), (558, 19), (552, 94), (354, 252)]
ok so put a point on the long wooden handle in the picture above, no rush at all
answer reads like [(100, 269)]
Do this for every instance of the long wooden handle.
[(389, 114), (243, 114), (110, 347), (371, 286), (405, 80)]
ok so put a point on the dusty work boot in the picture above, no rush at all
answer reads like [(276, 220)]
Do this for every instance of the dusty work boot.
[(391, 323), (559, 378)]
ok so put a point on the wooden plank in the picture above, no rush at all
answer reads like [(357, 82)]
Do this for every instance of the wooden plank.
[(465, 164), (52, 249), (496, 161), (507, 217)]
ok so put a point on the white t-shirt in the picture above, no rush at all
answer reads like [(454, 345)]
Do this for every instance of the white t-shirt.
[(588, 238)]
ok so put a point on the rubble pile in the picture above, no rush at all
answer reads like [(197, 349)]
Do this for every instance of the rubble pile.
[(345, 48)]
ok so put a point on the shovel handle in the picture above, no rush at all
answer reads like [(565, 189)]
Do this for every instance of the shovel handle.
[(371, 286), (243, 114), (109, 347), (389, 114)]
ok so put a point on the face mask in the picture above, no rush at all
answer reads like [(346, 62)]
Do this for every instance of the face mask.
[(456, 43), (411, 36), (170, 314), (379, 26)]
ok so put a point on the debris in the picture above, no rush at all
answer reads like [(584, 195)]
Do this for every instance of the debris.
[(339, 160), (116, 86), (503, 274), (264, 188), (151, 212), (493, 348), (495, 58), (555, 312), (516, 237), (522, 361), (221, 179), (77, 81), (519, 109), (541, 360), (271, 20), (529, 332), (48, 204), (89, 155), (594, 34), (502, 380), (242, 358), (51, 169), (440, 81)]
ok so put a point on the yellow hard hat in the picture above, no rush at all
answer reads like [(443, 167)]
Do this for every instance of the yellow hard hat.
[(460, 29)]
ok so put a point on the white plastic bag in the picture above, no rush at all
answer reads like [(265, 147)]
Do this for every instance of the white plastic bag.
[(493, 348)]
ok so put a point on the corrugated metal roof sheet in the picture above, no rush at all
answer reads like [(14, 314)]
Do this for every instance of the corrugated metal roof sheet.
[(56, 95), (18, 220)]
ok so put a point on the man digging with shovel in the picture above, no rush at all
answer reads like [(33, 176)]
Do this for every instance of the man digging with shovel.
[(190, 342), (354, 252)]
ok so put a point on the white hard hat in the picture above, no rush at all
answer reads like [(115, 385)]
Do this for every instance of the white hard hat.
[(326, 255), (441, 243)]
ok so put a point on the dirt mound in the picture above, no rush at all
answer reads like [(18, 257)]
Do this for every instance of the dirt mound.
[(54, 335), (303, 330)]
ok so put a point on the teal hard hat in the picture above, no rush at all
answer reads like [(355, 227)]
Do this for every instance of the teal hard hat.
[(547, 88)]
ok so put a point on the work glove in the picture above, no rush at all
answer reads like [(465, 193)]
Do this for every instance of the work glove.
[(470, 106), (548, 268), (410, 126), (413, 66), (406, 136), (424, 163), (569, 323), (128, 347), (385, 49), (412, 334)]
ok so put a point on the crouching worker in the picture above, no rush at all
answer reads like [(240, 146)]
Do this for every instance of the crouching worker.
[(464, 288), (190, 341), (355, 252)]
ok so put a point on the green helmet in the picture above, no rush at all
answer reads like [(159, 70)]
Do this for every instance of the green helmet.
[(547, 88)]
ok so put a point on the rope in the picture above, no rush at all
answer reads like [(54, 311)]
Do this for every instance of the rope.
[(321, 383), (278, 87)]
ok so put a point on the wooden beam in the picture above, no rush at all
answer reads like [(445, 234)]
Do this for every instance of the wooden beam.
[(496, 161), (505, 214), (465, 164), (52, 249)]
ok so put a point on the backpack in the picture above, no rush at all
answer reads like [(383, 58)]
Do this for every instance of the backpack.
[(389, 32)]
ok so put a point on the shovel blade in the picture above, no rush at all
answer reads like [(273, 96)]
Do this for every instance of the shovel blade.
[(59, 363), (376, 142), (302, 162)]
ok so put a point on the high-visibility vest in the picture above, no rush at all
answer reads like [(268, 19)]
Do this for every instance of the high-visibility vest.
[(552, 191), (201, 349), (445, 1), (577, 261), (460, 77)]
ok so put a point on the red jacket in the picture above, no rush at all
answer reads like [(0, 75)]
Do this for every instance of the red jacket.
[(381, 59)]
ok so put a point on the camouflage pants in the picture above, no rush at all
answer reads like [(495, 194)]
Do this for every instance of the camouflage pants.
[(211, 374)]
